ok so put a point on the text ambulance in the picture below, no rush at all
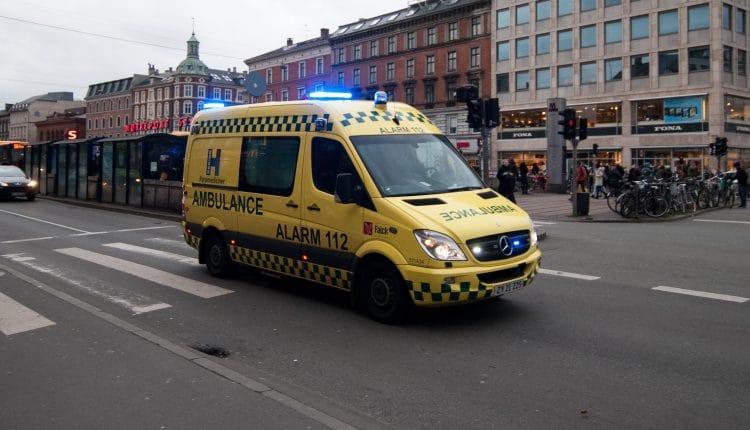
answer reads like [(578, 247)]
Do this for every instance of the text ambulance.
[(366, 197)]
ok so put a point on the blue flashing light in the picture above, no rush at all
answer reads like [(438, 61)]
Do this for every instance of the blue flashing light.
[(516, 242), (212, 105), (381, 98), (325, 95)]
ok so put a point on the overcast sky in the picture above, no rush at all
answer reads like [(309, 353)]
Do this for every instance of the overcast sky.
[(48, 46)]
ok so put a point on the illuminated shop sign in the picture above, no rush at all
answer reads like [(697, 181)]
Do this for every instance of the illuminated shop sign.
[(162, 124)]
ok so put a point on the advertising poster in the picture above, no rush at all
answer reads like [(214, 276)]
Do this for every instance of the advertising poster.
[(683, 109)]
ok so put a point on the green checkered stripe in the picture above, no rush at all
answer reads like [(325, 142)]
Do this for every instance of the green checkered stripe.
[(382, 116), (260, 124), (426, 293), (302, 269)]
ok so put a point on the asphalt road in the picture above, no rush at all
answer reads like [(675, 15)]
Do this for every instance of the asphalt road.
[(101, 315)]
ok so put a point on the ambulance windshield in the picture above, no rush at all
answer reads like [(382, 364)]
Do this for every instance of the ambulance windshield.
[(415, 164)]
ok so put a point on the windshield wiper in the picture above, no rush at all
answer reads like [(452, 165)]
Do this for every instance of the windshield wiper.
[(469, 188)]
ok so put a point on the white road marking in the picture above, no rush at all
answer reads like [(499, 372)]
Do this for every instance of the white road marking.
[(568, 275), (17, 318), (704, 294), (155, 253), (124, 230), (722, 221), (43, 221), (28, 240), (190, 286), (134, 302)]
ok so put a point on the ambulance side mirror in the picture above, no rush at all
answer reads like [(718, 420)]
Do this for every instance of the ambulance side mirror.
[(344, 192)]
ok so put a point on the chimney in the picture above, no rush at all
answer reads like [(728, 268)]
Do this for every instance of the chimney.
[(324, 33), (289, 41), (151, 69), (234, 69)]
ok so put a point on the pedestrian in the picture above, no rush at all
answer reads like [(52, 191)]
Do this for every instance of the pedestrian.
[(741, 177), (523, 174), (582, 177), (507, 177), (598, 180)]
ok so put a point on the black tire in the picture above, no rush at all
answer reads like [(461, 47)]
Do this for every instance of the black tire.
[(31, 197), (218, 262), (382, 293)]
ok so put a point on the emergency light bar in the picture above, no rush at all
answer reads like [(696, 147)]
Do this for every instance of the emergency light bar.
[(325, 95)]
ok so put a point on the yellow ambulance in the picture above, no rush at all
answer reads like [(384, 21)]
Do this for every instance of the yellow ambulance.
[(364, 196)]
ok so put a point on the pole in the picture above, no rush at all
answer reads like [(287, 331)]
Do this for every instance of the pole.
[(486, 154), (573, 176)]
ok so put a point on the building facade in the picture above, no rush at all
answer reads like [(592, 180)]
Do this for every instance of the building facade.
[(657, 80), (108, 107), (67, 125), (26, 114)]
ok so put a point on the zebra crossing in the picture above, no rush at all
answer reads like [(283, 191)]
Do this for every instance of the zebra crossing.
[(17, 318)]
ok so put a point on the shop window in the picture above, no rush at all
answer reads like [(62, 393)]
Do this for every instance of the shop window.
[(525, 119)]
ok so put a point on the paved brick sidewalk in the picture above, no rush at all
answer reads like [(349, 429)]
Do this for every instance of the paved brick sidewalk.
[(544, 206)]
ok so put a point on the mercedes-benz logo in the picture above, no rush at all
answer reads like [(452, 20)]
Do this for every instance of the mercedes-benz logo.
[(505, 246)]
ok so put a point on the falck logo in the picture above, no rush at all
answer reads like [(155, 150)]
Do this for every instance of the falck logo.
[(213, 162), (505, 247)]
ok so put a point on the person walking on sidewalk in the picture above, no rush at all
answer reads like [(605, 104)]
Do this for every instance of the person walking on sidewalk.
[(598, 181), (741, 177), (523, 174), (582, 177), (507, 177)]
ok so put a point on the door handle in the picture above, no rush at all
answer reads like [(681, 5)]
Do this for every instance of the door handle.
[(313, 207), (291, 204)]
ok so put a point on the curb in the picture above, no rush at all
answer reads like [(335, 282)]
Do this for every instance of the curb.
[(165, 215)]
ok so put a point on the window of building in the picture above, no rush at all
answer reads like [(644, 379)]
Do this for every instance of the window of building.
[(522, 47), (411, 40), (639, 66), (669, 62), (588, 5), (284, 73), (374, 48), (284, 95), (217, 93), (543, 10), (319, 66), (429, 93), (357, 52), (502, 80), (202, 91), (565, 76), (475, 58), (699, 59), (452, 31), (740, 24), (542, 44), (588, 73), (639, 27), (741, 62), (390, 71), (432, 36), (542, 78), (340, 79), (341, 57), (373, 75), (268, 165), (565, 40), (450, 89), (391, 44), (301, 93), (668, 23), (430, 65), (503, 51), (699, 17), (476, 25), (269, 76), (452, 121), (159, 112), (522, 81), (737, 109), (158, 93), (269, 97), (613, 69), (612, 31), (726, 17), (200, 106), (228, 94), (319, 87), (670, 110), (503, 18), (301, 69), (608, 3), (355, 78), (564, 7), (452, 65), (728, 59), (409, 95), (410, 68), (187, 107), (522, 14), (588, 36)]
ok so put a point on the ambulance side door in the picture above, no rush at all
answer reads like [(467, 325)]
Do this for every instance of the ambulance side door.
[(335, 227)]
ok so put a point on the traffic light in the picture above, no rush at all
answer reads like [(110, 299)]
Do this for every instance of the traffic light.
[(475, 116), (466, 93), (595, 149), (491, 113), (721, 146), (568, 123), (712, 149), (583, 129)]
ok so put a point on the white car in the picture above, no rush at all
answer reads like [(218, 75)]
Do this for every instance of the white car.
[(15, 183)]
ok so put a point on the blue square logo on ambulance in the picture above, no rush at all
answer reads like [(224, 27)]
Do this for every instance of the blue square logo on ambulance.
[(213, 162)]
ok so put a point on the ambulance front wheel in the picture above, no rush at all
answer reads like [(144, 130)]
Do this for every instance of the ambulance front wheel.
[(382, 293), (218, 262)]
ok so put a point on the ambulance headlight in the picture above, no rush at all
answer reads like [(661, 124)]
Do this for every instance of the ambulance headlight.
[(439, 246), (532, 234)]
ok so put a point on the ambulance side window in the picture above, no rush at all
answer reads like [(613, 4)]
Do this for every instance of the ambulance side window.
[(268, 165), (328, 160)]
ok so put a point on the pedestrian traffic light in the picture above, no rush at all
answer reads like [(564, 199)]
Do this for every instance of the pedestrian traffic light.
[(583, 129), (475, 116), (491, 113), (568, 123)]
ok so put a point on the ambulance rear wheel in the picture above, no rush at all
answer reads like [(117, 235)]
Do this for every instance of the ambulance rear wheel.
[(383, 294), (218, 262)]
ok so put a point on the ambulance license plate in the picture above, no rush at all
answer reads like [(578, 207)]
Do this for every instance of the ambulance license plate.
[(507, 288)]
